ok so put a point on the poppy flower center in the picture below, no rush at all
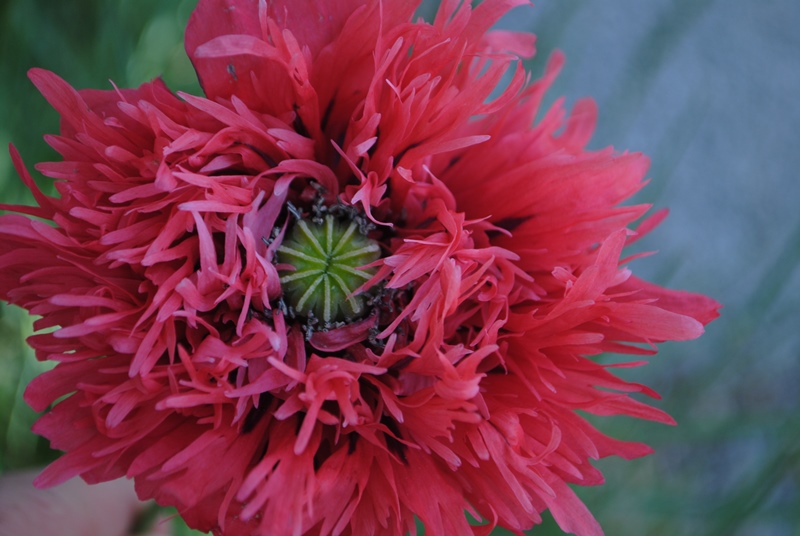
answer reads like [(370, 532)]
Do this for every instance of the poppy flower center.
[(326, 256)]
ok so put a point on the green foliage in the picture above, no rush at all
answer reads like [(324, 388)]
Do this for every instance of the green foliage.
[(89, 43)]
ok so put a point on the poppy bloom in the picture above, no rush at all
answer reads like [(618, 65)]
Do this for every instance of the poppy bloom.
[(352, 286)]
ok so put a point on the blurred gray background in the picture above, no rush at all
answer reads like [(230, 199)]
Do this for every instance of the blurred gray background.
[(708, 88)]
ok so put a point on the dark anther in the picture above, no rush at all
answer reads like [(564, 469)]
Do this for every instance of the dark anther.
[(296, 213)]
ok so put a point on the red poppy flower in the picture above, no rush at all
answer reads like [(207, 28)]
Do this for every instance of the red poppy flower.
[(348, 288)]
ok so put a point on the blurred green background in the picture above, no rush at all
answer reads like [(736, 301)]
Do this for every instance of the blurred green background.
[(707, 88)]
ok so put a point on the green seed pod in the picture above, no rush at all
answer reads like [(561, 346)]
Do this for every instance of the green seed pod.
[(327, 260)]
